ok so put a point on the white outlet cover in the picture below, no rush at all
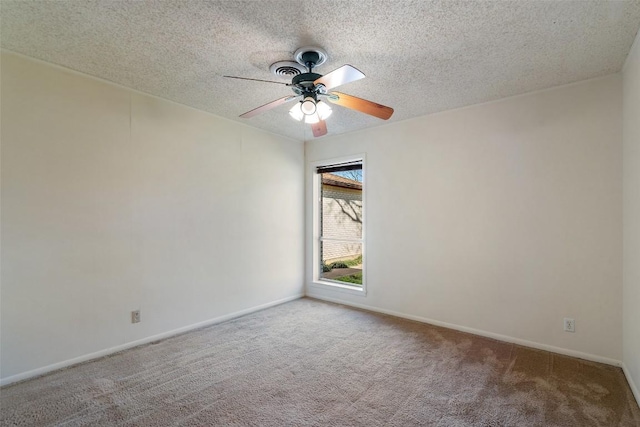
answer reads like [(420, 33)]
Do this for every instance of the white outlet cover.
[(569, 324)]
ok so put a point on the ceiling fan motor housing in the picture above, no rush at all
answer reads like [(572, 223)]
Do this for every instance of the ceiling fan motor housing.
[(306, 79), (303, 84)]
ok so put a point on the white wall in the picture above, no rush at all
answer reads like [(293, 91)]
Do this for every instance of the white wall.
[(631, 275), (114, 201), (504, 217)]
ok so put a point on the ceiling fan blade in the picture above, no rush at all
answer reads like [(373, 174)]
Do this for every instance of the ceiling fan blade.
[(319, 128), (269, 106), (257, 80), (378, 110), (340, 76)]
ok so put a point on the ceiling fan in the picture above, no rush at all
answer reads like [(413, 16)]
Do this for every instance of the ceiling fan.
[(311, 88)]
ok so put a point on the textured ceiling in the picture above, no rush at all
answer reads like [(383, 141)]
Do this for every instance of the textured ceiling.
[(419, 56)]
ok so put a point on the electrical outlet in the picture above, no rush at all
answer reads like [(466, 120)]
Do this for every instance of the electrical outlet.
[(135, 316), (569, 325)]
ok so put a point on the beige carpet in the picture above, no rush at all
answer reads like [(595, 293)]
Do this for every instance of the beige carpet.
[(312, 363)]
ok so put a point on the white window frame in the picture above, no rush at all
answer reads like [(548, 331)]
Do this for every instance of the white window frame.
[(316, 181)]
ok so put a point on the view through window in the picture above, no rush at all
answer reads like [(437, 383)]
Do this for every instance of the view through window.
[(341, 213)]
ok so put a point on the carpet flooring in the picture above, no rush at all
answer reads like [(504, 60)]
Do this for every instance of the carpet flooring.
[(311, 363)]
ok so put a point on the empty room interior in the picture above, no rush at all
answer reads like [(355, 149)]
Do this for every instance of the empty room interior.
[(341, 213)]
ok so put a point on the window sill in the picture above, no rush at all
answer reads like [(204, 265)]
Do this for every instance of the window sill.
[(338, 287)]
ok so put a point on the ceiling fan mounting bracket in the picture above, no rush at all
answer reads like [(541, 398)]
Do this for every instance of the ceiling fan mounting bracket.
[(310, 56)]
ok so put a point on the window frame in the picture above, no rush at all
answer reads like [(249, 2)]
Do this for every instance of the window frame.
[(316, 198)]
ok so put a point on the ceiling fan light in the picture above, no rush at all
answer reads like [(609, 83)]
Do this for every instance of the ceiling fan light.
[(308, 106), (311, 118), (324, 110), (296, 112)]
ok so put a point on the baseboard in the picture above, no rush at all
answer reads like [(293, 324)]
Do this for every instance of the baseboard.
[(499, 337), (76, 360), (632, 385)]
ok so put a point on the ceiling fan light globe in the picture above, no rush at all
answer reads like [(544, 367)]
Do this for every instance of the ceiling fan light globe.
[(296, 112), (324, 110), (308, 106)]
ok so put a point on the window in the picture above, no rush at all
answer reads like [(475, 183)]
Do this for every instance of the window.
[(339, 213)]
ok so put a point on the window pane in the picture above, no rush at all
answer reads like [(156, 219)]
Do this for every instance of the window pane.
[(341, 261), (342, 205)]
